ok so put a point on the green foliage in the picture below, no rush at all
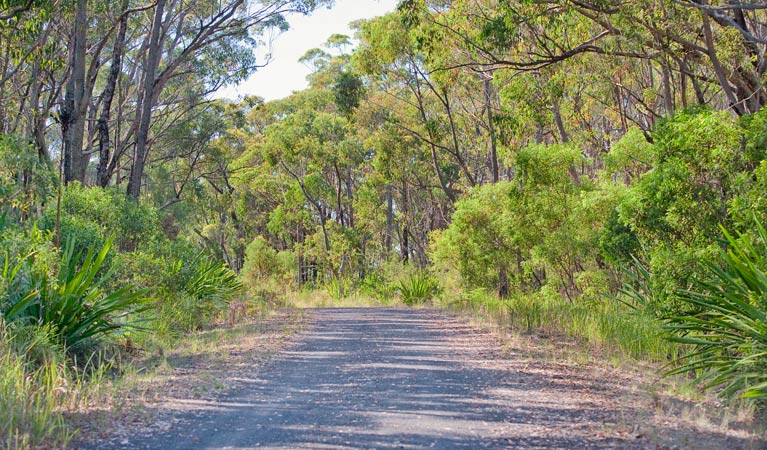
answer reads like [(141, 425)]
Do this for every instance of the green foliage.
[(701, 177), (378, 286), (541, 229), (92, 215), (630, 157), (25, 180), (597, 324), (727, 324), (262, 262), (348, 91), (419, 288), (479, 237), (339, 288), (267, 274), (38, 385), (28, 396), (194, 293), (73, 304), (211, 280), (617, 241)]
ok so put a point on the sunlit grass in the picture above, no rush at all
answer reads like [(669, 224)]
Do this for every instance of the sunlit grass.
[(35, 395), (601, 324), (322, 299)]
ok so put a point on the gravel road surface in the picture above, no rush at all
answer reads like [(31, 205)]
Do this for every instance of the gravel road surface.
[(391, 378)]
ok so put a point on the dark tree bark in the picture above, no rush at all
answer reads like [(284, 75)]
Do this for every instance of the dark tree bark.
[(107, 160), (495, 172)]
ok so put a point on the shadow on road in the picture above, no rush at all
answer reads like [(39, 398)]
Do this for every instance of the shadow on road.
[(390, 379)]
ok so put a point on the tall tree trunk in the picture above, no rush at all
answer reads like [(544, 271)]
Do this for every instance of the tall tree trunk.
[(719, 70), (668, 96), (147, 102), (495, 172), (572, 170), (339, 195), (349, 182), (36, 118), (106, 164), (72, 114), (405, 231), (456, 146), (503, 281), (434, 159), (389, 220)]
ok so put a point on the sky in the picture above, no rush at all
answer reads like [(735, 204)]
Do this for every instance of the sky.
[(284, 74)]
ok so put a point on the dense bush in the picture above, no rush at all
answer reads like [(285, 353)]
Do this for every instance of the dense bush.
[(649, 221), (193, 293), (25, 181), (541, 230), (91, 215), (727, 321), (419, 288), (702, 177), (72, 305)]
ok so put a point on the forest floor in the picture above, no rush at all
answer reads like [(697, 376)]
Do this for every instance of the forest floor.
[(403, 378)]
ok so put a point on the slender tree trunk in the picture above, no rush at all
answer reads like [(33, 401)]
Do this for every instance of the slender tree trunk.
[(142, 133), (339, 195), (405, 231), (434, 158), (36, 118), (717, 66), (349, 198), (572, 170), (495, 172), (668, 96), (456, 146), (72, 114), (389, 220), (503, 281), (106, 165)]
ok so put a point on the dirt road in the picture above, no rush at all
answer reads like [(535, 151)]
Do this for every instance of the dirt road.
[(389, 378)]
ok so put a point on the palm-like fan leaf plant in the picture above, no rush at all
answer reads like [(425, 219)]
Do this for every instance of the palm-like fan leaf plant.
[(727, 329), (73, 304)]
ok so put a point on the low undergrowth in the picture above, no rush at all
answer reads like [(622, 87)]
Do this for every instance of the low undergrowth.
[(601, 324), (39, 387)]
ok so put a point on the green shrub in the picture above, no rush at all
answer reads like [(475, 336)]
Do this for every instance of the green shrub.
[(91, 215), (419, 288), (379, 287), (211, 280), (264, 266), (339, 288), (674, 210), (727, 326), (73, 304), (194, 293), (22, 197)]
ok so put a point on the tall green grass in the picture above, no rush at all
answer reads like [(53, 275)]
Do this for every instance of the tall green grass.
[(38, 386), (611, 326)]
